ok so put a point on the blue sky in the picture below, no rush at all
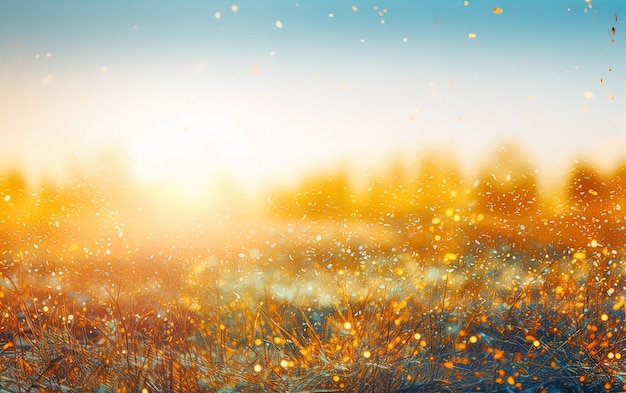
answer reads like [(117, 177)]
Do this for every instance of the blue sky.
[(269, 89)]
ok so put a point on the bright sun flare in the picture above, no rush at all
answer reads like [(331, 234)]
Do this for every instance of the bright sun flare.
[(185, 160)]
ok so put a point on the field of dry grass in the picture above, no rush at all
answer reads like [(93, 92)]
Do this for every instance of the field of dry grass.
[(430, 284)]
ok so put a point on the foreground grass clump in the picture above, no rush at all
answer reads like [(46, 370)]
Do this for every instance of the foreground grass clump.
[(426, 334)]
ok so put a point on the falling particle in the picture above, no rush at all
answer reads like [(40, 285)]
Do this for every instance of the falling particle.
[(258, 368), (256, 69), (272, 53), (585, 108), (234, 8), (610, 68), (355, 8), (217, 15), (601, 81), (613, 31), (405, 39), (497, 10), (279, 24), (472, 35), (37, 56), (382, 21), (588, 95), (362, 40), (7, 197), (616, 17), (611, 97), (569, 9), (331, 15), (47, 79), (531, 98), (104, 69), (135, 27), (48, 54), (466, 3)]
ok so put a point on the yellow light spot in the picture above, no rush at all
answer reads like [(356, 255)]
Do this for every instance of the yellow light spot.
[(399, 271), (367, 354), (510, 380), (466, 3), (536, 344), (284, 363), (436, 220), (347, 325), (594, 243), (417, 336), (604, 317), (497, 10), (222, 326), (279, 340), (593, 192), (473, 339), (580, 255), (471, 35), (336, 378), (234, 8), (258, 342), (258, 368), (450, 256), (145, 390), (279, 24), (104, 69), (355, 8)]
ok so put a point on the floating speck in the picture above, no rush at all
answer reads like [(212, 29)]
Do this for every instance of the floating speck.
[(471, 35), (589, 95), (279, 24), (135, 27), (217, 15), (104, 69), (497, 10), (46, 79), (331, 15), (355, 8), (48, 54), (405, 39), (234, 8)]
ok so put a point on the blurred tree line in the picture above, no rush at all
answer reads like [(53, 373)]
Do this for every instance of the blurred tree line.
[(433, 206), (429, 208)]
